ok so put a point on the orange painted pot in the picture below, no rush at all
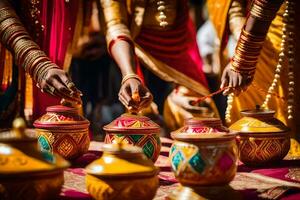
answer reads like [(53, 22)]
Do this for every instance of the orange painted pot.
[(263, 138), (135, 130), (64, 131), (204, 153), (25, 171)]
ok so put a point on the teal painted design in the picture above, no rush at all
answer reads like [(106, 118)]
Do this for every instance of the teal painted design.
[(44, 144), (197, 163), (119, 135), (148, 149), (48, 156), (176, 160), (136, 138), (173, 148)]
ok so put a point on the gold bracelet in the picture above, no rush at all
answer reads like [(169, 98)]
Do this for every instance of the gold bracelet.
[(129, 76), (10, 31), (7, 12), (7, 23), (38, 68)]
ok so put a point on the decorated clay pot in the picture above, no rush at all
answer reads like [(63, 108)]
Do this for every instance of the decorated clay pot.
[(123, 172), (64, 131), (263, 138), (204, 153), (25, 171), (135, 130)]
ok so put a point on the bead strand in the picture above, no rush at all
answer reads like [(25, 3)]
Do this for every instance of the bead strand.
[(162, 16), (291, 56)]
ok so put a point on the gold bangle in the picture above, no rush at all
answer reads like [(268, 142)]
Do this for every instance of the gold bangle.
[(38, 68), (7, 23), (30, 58), (7, 12), (129, 76), (10, 31)]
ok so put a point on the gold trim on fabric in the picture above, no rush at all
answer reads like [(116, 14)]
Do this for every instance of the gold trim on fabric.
[(167, 73)]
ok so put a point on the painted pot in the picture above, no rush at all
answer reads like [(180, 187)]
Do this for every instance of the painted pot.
[(123, 172), (204, 153), (135, 130), (263, 138), (64, 131), (26, 172)]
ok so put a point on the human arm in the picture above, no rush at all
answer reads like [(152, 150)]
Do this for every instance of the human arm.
[(48, 76), (239, 73), (120, 46)]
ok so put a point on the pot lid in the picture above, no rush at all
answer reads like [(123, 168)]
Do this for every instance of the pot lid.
[(133, 124), (259, 121), (202, 129), (63, 116), (20, 154), (122, 160)]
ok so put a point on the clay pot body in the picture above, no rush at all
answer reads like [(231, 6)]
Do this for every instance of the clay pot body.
[(204, 153), (263, 138), (123, 172), (25, 171), (64, 131), (135, 130)]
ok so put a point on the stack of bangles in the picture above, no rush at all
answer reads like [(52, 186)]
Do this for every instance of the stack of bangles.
[(246, 53), (26, 52), (265, 10), (249, 45)]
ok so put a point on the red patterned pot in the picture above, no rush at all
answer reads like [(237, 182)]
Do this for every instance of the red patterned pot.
[(204, 153), (135, 130), (263, 138), (64, 131)]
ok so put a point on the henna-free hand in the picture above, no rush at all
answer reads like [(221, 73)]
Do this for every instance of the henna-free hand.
[(128, 95), (235, 81), (57, 83)]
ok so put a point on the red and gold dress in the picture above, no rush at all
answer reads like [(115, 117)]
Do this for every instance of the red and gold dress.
[(169, 50), (54, 26)]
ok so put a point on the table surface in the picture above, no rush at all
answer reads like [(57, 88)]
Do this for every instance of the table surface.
[(279, 181)]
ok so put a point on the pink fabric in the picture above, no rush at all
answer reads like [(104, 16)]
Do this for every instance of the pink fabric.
[(176, 47), (58, 18)]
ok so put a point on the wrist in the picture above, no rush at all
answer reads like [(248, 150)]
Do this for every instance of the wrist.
[(130, 76)]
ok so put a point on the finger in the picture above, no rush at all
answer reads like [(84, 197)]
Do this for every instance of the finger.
[(123, 101), (224, 80), (76, 99), (58, 85), (234, 81), (125, 96), (228, 91), (240, 80), (230, 85), (65, 78)]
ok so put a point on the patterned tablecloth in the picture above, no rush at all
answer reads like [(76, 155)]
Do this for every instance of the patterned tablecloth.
[(280, 181)]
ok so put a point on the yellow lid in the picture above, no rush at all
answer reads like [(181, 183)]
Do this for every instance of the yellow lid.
[(258, 121), (122, 160), (19, 153)]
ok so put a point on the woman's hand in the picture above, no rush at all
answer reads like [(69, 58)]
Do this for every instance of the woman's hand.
[(236, 82), (134, 95), (56, 82)]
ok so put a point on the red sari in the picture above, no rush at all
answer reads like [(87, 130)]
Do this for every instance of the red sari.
[(54, 33)]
